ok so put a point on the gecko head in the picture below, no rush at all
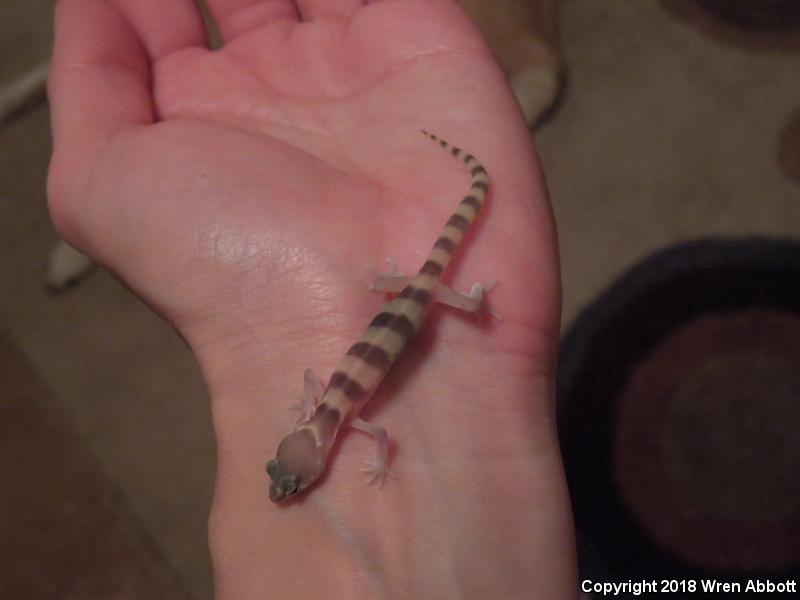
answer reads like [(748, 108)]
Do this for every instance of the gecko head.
[(298, 463)]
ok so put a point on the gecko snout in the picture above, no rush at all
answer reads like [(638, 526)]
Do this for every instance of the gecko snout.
[(281, 485)]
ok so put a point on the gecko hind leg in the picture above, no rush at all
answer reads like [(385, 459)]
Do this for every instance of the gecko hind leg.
[(312, 393), (390, 281), (377, 468), (474, 301)]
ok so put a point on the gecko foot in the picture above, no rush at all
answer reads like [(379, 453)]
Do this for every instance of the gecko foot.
[(390, 269), (390, 281), (484, 291), (376, 471), (474, 301)]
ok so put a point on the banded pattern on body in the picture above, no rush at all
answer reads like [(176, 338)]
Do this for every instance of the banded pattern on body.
[(367, 361)]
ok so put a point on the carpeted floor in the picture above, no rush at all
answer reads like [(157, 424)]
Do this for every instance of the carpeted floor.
[(673, 126), (67, 529)]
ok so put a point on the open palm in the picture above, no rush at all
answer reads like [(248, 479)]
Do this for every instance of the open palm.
[(245, 193)]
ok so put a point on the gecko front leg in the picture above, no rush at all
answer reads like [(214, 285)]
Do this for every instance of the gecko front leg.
[(312, 393), (376, 469)]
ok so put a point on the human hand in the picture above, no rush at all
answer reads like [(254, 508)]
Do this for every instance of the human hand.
[(244, 193)]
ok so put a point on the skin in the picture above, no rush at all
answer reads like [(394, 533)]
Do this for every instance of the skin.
[(245, 193)]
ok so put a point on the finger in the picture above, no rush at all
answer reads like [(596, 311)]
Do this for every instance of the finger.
[(99, 76), (98, 85), (237, 17), (164, 27), (314, 9)]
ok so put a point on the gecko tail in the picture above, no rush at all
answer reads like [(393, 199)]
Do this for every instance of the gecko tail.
[(464, 214)]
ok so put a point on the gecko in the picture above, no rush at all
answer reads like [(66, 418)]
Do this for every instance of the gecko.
[(302, 455)]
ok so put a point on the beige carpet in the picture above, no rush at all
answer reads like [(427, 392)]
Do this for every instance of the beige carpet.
[(670, 129)]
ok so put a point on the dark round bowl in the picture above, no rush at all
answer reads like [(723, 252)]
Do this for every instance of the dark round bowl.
[(756, 14), (678, 407)]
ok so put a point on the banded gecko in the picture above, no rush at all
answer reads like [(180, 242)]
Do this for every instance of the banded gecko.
[(302, 455)]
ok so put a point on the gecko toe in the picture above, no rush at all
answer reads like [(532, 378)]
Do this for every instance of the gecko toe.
[(376, 471)]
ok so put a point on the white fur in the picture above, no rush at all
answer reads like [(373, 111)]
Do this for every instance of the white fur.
[(15, 94), (66, 266), (536, 90)]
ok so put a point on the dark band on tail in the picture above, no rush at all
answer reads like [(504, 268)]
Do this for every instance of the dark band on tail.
[(465, 212)]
